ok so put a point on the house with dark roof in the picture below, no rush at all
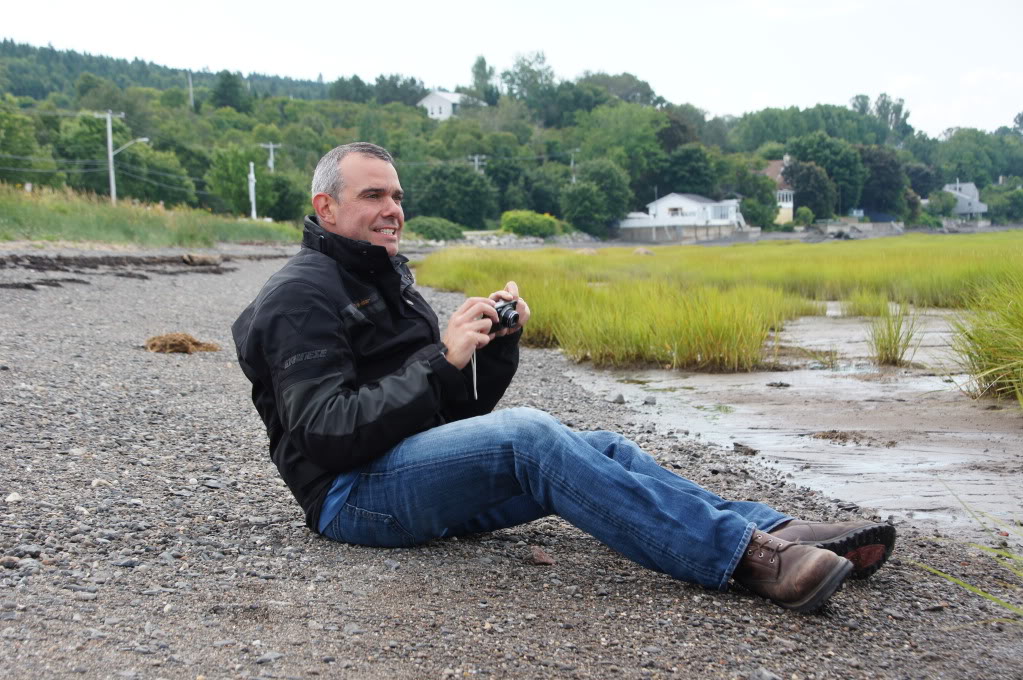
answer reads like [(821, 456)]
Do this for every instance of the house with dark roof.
[(683, 217)]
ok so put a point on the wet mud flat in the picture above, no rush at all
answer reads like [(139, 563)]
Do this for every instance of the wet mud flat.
[(144, 533), (906, 443)]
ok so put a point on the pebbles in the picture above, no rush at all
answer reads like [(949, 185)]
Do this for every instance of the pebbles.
[(187, 528)]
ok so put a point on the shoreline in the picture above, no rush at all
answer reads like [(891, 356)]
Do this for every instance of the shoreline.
[(152, 538)]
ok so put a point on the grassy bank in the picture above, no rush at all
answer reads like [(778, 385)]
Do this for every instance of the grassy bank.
[(713, 308), (989, 340), (63, 215)]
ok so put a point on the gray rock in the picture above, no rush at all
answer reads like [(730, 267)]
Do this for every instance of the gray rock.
[(269, 657), (616, 398)]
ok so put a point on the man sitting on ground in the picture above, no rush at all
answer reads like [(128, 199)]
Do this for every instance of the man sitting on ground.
[(384, 430)]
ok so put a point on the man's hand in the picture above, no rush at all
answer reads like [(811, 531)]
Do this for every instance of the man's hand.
[(511, 292), (469, 329)]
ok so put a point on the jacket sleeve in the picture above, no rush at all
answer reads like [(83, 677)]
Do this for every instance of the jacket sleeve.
[(495, 367), (327, 417)]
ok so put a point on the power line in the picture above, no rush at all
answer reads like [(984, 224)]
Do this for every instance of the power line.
[(52, 160), (55, 170), (161, 184)]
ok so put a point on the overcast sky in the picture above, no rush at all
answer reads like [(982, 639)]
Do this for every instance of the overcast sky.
[(954, 63)]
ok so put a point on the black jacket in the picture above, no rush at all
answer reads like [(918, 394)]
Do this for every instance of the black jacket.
[(345, 361)]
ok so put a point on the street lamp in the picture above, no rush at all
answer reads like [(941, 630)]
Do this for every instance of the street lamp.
[(110, 163)]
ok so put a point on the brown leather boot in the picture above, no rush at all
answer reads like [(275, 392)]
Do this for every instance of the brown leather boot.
[(797, 577), (867, 545)]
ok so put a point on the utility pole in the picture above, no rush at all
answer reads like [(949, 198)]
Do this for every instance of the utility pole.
[(252, 188), (478, 160), (191, 95), (571, 162), (271, 146), (110, 115)]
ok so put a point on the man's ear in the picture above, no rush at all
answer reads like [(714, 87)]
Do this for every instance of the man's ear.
[(321, 205)]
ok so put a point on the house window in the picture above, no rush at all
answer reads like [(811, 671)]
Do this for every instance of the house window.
[(719, 212), (674, 212)]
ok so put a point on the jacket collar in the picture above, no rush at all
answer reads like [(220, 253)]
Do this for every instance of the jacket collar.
[(355, 255)]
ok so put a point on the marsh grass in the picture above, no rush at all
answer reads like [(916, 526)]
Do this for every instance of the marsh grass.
[(63, 215), (827, 358), (865, 303), (989, 341), (891, 335), (714, 308)]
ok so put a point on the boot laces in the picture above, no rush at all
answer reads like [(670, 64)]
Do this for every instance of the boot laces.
[(759, 539)]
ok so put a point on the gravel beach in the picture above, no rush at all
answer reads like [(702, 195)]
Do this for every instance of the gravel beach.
[(144, 532)]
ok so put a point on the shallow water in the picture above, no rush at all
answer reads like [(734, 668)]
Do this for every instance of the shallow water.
[(901, 442)]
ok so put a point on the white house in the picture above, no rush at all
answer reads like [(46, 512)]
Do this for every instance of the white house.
[(441, 105), (683, 217), (968, 204)]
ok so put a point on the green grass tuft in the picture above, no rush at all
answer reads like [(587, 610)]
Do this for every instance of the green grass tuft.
[(891, 335)]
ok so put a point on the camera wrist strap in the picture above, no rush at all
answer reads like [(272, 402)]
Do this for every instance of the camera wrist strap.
[(475, 395)]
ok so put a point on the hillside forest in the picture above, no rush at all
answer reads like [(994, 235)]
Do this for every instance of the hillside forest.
[(586, 150)]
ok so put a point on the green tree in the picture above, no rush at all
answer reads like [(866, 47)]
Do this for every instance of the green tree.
[(758, 214), (627, 135), (839, 160), (228, 179), (922, 178), (1005, 201), (483, 87), (884, 189), (941, 204), (289, 196), (352, 89), (397, 88), (584, 207), (458, 193), (688, 170), (1017, 123), (624, 86), (230, 91), (804, 216), (613, 184), (18, 149), (812, 188), (531, 80), (968, 155), (544, 185)]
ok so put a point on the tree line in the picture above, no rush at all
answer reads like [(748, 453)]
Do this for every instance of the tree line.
[(587, 150)]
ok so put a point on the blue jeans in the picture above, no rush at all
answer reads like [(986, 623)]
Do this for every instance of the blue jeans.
[(517, 465)]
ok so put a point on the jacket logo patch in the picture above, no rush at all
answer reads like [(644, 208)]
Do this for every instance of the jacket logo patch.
[(303, 356), (362, 303)]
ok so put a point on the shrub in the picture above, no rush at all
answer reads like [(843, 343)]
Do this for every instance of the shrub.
[(804, 216), (529, 223), (435, 228)]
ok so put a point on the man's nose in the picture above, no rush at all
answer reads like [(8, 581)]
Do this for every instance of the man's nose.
[(392, 207)]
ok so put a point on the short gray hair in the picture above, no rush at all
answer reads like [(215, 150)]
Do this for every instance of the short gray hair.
[(327, 176)]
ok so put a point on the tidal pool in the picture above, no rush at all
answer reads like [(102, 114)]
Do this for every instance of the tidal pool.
[(906, 442)]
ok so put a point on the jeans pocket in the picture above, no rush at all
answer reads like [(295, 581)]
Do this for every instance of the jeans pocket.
[(363, 527)]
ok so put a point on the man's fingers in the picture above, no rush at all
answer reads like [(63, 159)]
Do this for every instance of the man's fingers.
[(512, 288)]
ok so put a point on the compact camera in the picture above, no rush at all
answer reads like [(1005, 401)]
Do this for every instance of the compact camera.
[(507, 316)]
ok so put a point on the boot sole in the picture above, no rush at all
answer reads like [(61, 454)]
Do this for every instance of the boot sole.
[(868, 548), (828, 586)]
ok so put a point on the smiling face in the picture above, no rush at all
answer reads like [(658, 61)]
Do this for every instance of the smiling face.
[(369, 208)]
